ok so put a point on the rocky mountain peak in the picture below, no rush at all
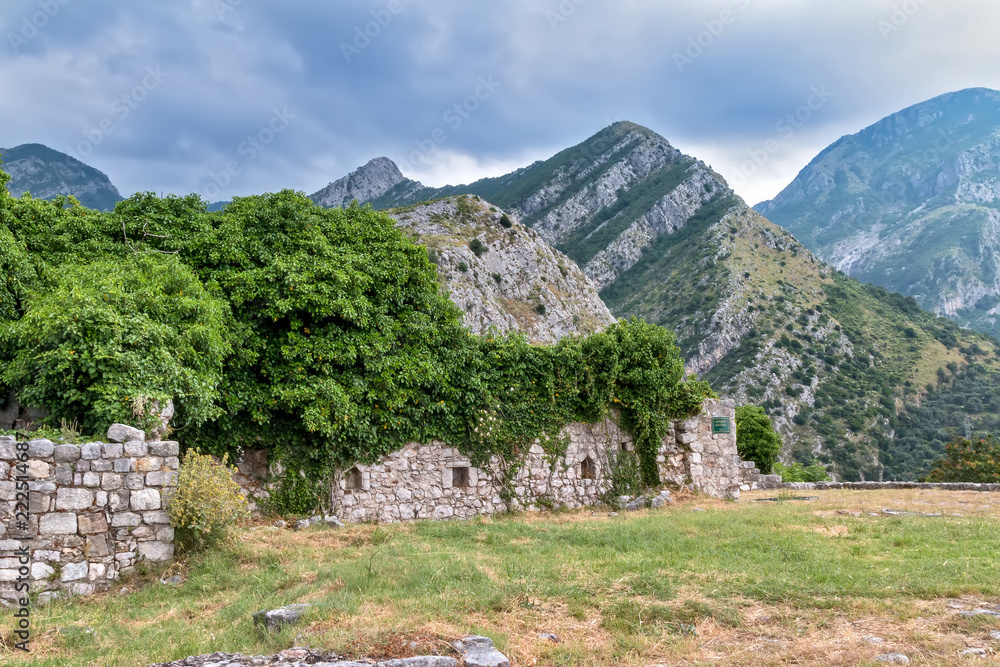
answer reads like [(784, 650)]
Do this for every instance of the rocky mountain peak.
[(363, 184), (501, 274), (47, 173)]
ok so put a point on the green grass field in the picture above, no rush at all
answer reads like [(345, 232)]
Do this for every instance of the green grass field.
[(748, 583)]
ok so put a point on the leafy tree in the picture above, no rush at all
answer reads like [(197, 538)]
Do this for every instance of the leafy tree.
[(110, 336), (344, 347), (756, 439), (969, 461)]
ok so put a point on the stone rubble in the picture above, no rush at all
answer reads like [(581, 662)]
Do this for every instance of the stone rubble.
[(301, 657), (274, 619), (478, 651)]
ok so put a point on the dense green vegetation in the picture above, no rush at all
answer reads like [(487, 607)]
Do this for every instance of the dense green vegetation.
[(756, 439), (976, 461), (109, 338), (320, 334)]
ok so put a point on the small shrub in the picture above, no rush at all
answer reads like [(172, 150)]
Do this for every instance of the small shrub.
[(796, 472), (463, 267), (540, 309), (505, 221), (477, 247), (206, 501), (497, 278)]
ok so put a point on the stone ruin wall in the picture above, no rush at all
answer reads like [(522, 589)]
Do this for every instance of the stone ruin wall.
[(436, 481), (94, 510)]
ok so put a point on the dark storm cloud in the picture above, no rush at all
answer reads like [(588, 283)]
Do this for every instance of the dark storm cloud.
[(502, 83)]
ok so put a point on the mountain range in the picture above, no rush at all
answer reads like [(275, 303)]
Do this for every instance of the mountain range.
[(861, 378), (911, 203)]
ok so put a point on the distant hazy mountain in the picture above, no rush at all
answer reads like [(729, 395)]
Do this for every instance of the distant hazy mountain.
[(47, 173), (911, 203), (851, 374)]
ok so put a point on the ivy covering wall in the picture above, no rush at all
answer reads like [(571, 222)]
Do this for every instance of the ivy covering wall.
[(318, 334)]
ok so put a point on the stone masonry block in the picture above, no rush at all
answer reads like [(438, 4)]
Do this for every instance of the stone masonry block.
[(123, 465), (145, 499), (74, 499), (66, 453), (120, 519), (156, 517), (111, 481), (136, 448), (148, 464), (57, 524), (75, 571), (40, 448), (90, 451), (91, 523), (113, 450), (166, 448), (156, 551), (123, 433)]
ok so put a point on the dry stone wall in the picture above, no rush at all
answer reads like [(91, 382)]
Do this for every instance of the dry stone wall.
[(436, 481), (93, 510)]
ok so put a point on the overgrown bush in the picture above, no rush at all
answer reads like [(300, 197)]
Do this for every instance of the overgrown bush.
[(206, 501), (756, 439), (976, 461), (477, 247), (108, 337)]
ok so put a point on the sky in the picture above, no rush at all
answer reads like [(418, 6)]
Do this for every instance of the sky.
[(236, 97)]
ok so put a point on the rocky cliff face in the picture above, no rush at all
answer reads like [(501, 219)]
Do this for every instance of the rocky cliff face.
[(911, 203), (47, 173), (503, 276), (363, 184)]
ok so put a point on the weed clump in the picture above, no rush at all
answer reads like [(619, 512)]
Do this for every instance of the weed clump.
[(207, 500)]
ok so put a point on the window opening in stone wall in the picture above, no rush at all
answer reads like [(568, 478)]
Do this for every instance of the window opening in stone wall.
[(352, 480), (460, 478), (587, 469)]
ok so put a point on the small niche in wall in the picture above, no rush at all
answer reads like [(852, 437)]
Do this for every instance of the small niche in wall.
[(460, 478), (588, 469), (352, 480)]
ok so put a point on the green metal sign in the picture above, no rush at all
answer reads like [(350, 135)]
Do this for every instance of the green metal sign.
[(720, 425)]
